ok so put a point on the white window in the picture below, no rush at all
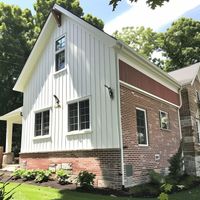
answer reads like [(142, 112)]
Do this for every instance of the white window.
[(79, 115), (198, 129), (164, 120), (60, 53), (142, 133), (42, 123)]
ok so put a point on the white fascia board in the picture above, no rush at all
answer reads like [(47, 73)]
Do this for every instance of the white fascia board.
[(147, 64), (35, 54)]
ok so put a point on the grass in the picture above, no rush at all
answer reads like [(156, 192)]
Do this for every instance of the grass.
[(32, 192)]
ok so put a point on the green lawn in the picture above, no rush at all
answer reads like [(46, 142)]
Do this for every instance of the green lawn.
[(31, 192)]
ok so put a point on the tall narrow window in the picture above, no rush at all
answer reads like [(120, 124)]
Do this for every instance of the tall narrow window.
[(198, 129), (141, 126), (42, 123), (164, 120), (79, 115), (60, 53)]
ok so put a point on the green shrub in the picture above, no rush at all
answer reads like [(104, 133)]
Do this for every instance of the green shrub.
[(29, 175), (176, 164), (156, 178), (62, 176), (189, 181), (166, 188), (42, 176), (86, 179), (18, 174)]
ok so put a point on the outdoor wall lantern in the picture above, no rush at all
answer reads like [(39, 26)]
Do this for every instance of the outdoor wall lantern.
[(110, 91), (57, 101)]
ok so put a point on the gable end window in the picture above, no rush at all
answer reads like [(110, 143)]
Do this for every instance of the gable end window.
[(42, 123), (142, 133), (164, 120), (60, 54), (79, 115)]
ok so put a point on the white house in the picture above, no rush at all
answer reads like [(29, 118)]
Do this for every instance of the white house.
[(91, 101)]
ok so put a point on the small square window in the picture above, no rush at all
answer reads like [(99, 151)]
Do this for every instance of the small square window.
[(79, 116), (164, 120), (60, 43)]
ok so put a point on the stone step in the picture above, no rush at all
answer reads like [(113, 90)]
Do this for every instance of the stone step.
[(10, 168)]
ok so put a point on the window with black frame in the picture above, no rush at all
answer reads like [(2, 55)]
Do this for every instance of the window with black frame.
[(60, 54), (79, 115), (42, 123)]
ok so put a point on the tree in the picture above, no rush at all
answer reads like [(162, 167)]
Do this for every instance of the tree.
[(16, 28), (43, 8), (151, 3), (181, 44), (94, 21), (143, 40)]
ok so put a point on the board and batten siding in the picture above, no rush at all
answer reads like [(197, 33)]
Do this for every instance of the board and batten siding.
[(90, 64)]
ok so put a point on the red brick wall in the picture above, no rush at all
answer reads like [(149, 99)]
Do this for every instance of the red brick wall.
[(106, 164), (161, 142)]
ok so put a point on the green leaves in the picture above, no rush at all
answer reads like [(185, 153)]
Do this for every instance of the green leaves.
[(151, 3)]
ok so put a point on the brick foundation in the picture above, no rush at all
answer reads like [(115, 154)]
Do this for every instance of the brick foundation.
[(106, 164), (164, 143)]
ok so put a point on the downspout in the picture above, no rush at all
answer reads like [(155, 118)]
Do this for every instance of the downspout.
[(117, 50), (179, 120)]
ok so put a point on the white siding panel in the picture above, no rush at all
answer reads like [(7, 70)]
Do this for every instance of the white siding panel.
[(90, 64)]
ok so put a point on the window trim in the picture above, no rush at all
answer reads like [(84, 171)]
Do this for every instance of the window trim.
[(50, 123), (164, 129), (146, 127), (84, 131), (198, 130), (58, 51)]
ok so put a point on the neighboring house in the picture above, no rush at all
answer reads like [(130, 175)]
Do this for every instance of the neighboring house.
[(189, 78), (91, 101)]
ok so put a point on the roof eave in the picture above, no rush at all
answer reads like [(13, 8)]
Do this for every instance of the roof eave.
[(149, 64)]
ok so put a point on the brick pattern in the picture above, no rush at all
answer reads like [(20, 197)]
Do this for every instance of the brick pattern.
[(162, 142), (105, 163), (188, 114)]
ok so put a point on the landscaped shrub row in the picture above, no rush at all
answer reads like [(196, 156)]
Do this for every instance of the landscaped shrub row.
[(84, 178)]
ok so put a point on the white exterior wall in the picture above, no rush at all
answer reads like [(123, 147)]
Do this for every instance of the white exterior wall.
[(90, 64)]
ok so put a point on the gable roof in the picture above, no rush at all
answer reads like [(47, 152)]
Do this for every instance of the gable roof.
[(186, 75), (46, 32)]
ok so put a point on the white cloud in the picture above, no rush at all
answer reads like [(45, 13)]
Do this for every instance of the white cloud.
[(141, 15)]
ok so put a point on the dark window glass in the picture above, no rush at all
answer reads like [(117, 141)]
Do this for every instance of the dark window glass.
[(60, 44), (45, 124), (38, 124), (79, 116), (84, 118), (60, 60), (42, 123), (141, 126), (73, 117)]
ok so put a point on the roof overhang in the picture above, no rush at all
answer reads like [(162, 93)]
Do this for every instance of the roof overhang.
[(14, 116), (152, 67)]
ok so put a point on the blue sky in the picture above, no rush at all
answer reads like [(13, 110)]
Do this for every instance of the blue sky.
[(136, 14)]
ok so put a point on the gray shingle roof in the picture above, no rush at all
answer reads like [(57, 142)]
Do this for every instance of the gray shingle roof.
[(186, 75)]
